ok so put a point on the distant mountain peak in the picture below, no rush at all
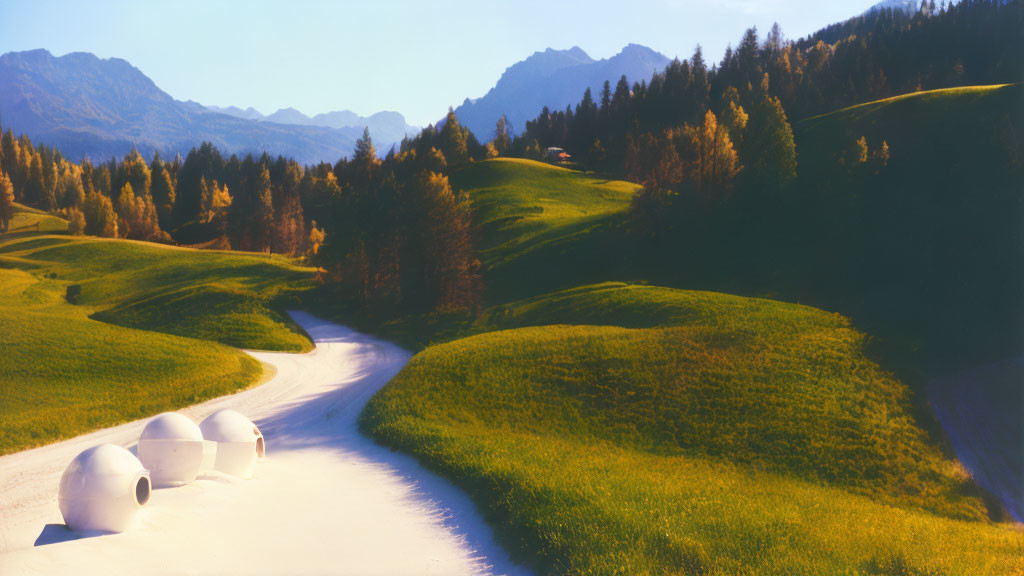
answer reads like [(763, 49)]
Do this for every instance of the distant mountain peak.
[(556, 79), (908, 6)]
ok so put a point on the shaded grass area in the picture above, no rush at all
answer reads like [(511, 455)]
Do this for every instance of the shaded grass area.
[(677, 431), (928, 250), (144, 331), (541, 226)]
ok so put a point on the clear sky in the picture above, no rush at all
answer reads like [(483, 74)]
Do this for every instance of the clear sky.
[(369, 55)]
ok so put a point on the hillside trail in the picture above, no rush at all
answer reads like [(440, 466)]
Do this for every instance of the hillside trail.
[(326, 500)]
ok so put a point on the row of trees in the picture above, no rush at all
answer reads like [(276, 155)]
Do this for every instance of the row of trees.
[(392, 233), (880, 54)]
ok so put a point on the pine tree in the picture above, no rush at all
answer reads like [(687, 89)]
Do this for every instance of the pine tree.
[(163, 194), (502, 139), (453, 141), (35, 187), (365, 151), (769, 151), (262, 211)]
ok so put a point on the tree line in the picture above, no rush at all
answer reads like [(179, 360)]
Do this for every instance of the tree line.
[(389, 232)]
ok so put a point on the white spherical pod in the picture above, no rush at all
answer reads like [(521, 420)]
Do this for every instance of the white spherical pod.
[(103, 489), (171, 448), (239, 442)]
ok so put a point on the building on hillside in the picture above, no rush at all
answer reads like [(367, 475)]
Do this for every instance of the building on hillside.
[(554, 154)]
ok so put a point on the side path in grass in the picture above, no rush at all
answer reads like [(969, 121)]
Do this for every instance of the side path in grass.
[(326, 500)]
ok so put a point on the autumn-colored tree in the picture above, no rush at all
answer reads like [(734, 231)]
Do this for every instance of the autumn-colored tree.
[(138, 215), (100, 218), (215, 201), (711, 160), (734, 118), (76, 221), (883, 153), (314, 240), (859, 152), (6, 202), (72, 194), (134, 170)]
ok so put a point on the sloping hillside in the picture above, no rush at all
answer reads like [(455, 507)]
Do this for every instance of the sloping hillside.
[(97, 332), (927, 247), (542, 226), (642, 430)]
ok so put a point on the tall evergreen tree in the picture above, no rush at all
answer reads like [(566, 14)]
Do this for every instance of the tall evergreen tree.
[(453, 141), (502, 137)]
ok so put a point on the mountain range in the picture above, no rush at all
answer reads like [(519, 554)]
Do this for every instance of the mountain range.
[(556, 79), (386, 126), (92, 107), (97, 108)]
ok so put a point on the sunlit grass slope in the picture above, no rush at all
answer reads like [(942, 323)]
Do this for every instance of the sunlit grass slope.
[(119, 352), (541, 226), (623, 429)]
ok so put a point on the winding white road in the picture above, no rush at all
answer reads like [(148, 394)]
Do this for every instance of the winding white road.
[(325, 501)]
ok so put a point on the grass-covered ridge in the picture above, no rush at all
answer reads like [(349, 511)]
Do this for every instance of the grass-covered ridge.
[(145, 334), (635, 429), (541, 226)]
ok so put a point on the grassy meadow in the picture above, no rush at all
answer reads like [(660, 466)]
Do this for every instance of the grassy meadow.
[(149, 329), (623, 429)]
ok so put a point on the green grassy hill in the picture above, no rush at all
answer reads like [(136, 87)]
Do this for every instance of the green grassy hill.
[(120, 351), (629, 429), (638, 430), (542, 227)]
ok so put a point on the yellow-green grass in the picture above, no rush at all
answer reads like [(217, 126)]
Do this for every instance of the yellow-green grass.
[(231, 298), (541, 226), (63, 374), (29, 220), (146, 334), (942, 96), (673, 431)]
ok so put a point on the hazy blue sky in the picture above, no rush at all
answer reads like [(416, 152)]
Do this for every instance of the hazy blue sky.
[(416, 58)]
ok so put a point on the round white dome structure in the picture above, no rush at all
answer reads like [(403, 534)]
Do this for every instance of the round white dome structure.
[(103, 489), (239, 442), (171, 448)]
